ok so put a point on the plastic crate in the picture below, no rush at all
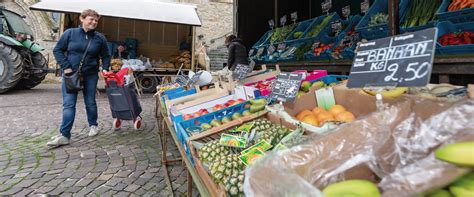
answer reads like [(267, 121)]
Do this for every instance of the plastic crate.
[(181, 127), (430, 24), (331, 79), (176, 93), (294, 43), (302, 27), (459, 16), (351, 24), (318, 21), (378, 31), (447, 27), (263, 39)]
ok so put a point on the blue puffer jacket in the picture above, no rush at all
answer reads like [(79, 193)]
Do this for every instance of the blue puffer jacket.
[(70, 49)]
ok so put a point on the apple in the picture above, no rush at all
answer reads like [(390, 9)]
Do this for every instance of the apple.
[(196, 114), (217, 107), (203, 111), (188, 116)]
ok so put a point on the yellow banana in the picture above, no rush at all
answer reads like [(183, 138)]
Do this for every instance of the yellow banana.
[(394, 93)]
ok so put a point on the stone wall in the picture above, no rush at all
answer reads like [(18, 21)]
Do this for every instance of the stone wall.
[(217, 22)]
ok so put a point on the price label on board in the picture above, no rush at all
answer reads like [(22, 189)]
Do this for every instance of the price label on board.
[(364, 6), (260, 51), (271, 23), (286, 86), (346, 11), (404, 60), (336, 26), (326, 6), (283, 20), (251, 52), (241, 71), (281, 47), (271, 49), (294, 17), (194, 79), (315, 45)]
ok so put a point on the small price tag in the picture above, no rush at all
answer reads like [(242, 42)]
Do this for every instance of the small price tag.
[(325, 98), (271, 23), (271, 49), (286, 86), (241, 71), (251, 52), (315, 45), (260, 51), (326, 6), (336, 26), (364, 6), (294, 16), (283, 20), (281, 47), (346, 11)]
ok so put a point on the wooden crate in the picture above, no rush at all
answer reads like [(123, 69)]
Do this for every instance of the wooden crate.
[(214, 134)]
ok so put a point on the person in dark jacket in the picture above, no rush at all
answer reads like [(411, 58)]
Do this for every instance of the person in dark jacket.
[(237, 52), (68, 53)]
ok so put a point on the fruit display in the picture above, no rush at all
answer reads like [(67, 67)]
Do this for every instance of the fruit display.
[(378, 19), (456, 38), (355, 188), (321, 48), (280, 34), (306, 85), (264, 87), (462, 187), (459, 154), (388, 93), (420, 12), (349, 41), (319, 116), (165, 87), (317, 28), (216, 107), (456, 5), (223, 167)]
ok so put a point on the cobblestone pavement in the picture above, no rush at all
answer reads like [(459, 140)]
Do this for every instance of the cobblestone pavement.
[(119, 163)]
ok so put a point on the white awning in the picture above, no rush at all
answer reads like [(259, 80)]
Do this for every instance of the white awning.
[(148, 10)]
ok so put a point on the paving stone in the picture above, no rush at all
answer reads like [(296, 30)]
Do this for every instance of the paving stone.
[(123, 173), (27, 183), (84, 182), (132, 188), (44, 190), (57, 191), (122, 194), (120, 186), (11, 191), (105, 177), (25, 192)]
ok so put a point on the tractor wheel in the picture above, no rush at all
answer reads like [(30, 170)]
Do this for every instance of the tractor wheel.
[(11, 68), (148, 83), (36, 76)]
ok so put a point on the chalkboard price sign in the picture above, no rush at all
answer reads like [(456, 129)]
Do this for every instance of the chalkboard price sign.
[(286, 86), (346, 11), (271, 23), (271, 49), (260, 51), (251, 52), (336, 26), (281, 47), (241, 71), (326, 6), (404, 60), (283, 20)]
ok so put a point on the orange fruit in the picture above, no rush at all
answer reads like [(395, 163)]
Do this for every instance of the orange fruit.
[(311, 119), (345, 117), (325, 117), (302, 114), (318, 110), (336, 109)]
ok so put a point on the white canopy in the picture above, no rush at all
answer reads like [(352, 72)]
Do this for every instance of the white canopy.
[(149, 10)]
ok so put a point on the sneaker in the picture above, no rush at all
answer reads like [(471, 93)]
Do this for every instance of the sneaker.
[(58, 141), (94, 131), (56, 136)]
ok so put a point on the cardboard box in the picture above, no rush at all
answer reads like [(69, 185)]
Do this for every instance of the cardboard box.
[(387, 136)]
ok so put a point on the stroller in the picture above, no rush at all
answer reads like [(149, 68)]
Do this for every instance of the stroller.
[(123, 99)]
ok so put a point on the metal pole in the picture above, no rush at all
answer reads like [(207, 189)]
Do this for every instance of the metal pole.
[(276, 13), (393, 18)]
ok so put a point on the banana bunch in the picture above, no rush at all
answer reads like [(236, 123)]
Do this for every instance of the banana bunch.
[(393, 93)]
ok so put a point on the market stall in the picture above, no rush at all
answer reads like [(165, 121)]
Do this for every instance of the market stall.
[(158, 37), (325, 34)]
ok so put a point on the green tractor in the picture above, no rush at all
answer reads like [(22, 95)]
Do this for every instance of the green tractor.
[(22, 66)]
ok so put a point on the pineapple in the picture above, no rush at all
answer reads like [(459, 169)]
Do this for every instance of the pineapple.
[(262, 125), (224, 167), (234, 186), (274, 135), (211, 151)]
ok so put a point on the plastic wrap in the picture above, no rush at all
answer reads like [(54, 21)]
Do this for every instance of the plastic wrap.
[(423, 130), (337, 156), (397, 144)]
